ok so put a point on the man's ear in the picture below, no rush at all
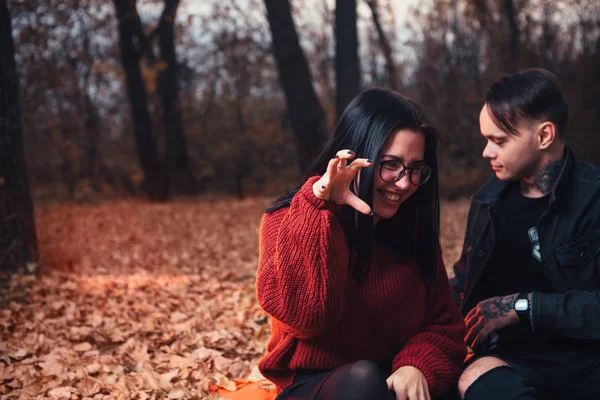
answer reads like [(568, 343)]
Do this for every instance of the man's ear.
[(546, 133)]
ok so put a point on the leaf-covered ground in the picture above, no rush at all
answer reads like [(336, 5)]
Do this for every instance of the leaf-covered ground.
[(140, 300)]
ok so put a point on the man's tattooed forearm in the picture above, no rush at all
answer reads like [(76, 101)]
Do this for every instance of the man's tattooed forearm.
[(548, 175), (498, 307)]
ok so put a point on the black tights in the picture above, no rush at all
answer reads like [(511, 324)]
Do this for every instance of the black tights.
[(359, 380)]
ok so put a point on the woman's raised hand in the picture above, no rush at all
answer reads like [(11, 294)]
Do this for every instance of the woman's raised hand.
[(334, 185)]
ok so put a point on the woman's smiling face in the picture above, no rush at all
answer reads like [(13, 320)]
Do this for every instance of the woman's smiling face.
[(408, 147)]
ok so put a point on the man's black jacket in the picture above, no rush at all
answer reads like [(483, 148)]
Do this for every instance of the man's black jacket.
[(569, 234)]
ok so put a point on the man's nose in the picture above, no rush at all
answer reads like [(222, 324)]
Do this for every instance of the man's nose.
[(488, 152)]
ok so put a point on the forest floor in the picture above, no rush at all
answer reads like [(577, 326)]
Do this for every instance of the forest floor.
[(140, 300)]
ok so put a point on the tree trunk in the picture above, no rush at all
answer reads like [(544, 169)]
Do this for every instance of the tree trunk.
[(481, 12), (241, 163), (514, 38), (178, 174), (129, 24), (18, 241), (92, 129), (91, 118), (347, 68), (390, 66), (306, 115)]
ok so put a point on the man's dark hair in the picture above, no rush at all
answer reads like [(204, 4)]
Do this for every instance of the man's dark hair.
[(413, 232), (530, 94)]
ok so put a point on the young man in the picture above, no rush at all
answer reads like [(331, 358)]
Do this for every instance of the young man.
[(528, 280)]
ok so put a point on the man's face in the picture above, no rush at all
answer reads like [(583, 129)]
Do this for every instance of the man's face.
[(513, 157)]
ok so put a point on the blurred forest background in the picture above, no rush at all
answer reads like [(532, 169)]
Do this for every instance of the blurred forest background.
[(151, 134), (173, 98)]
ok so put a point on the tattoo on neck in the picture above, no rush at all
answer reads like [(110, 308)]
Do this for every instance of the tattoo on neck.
[(546, 178), (498, 307)]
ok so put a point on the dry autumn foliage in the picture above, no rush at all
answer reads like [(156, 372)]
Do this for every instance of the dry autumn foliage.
[(143, 301)]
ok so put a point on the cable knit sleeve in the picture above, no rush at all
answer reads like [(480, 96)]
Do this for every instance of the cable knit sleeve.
[(438, 350), (303, 265)]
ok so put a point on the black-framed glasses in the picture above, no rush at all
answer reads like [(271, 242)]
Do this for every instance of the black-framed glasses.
[(392, 171)]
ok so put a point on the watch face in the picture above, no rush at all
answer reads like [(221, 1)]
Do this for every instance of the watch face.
[(521, 305)]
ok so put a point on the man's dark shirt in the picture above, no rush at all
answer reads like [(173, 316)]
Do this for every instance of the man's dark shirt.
[(515, 265)]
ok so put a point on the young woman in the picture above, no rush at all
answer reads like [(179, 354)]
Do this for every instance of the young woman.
[(350, 266)]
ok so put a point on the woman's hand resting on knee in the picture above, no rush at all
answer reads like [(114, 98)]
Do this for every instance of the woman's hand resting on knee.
[(408, 383), (334, 185)]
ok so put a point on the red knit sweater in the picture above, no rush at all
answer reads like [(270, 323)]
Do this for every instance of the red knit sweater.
[(322, 319)]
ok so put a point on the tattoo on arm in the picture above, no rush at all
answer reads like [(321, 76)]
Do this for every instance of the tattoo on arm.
[(548, 175), (498, 307)]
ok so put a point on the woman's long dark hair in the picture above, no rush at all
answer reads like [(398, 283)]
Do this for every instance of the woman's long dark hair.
[(413, 232)]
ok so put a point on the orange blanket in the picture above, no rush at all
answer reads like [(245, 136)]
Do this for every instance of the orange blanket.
[(243, 389)]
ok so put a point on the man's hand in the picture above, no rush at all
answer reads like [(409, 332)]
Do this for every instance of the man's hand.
[(409, 384), (489, 316)]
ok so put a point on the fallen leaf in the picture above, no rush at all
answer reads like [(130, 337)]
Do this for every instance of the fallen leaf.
[(89, 387), (82, 347), (176, 361), (14, 384), (176, 393), (92, 368), (61, 392), (255, 375), (19, 354), (222, 364), (164, 380), (223, 382)]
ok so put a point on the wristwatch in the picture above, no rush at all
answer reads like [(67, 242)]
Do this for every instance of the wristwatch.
[(522, 306)]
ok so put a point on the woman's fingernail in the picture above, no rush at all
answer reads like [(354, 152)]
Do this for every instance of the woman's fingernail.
[(371, 213), (350, 152), (323, 187), (370, 161), (336, 156)]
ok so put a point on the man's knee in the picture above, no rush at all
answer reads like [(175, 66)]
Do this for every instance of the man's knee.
[(475, 370)]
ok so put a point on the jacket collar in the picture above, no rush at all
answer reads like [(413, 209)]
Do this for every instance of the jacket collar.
[(493, 189)]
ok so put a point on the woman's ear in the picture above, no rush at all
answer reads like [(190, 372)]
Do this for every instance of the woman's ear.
[(546, 133)]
